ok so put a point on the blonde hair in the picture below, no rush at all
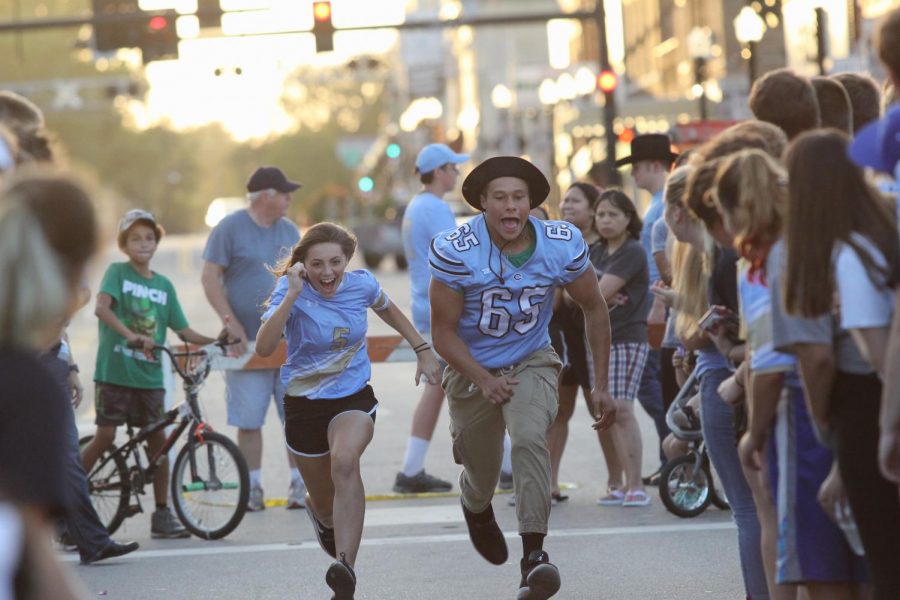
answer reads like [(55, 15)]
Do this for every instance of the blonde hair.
[(33, 291), (690, 281), (750, 187)]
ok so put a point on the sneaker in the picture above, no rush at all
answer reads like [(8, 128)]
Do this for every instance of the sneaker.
[(540, 578), (341, 578), (420, 483), (296, 497), (324, 534), (506, 481), (485, 534), (164, 525), (256, 502)]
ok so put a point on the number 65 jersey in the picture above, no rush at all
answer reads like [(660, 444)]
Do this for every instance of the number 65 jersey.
[(506, 308)]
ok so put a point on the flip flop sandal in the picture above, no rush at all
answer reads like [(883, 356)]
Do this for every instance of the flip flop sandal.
[(613, 497), (636, 498)]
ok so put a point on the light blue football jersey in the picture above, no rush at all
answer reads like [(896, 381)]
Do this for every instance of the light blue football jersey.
[(504, 321), (327, 355)]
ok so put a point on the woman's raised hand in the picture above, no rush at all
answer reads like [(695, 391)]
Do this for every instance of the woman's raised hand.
[(295, 275)]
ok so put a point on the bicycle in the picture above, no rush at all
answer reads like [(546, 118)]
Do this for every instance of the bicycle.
[(210, 482), (688, 484)]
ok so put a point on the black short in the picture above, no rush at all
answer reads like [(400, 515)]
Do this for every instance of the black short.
[(306, 421), (117, 405)]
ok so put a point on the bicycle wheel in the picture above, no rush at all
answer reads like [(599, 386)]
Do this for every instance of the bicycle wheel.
[(683, 488), (212, 501), (109, 487)]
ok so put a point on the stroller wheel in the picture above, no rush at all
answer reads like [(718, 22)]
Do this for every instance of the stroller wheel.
[(684, 487)]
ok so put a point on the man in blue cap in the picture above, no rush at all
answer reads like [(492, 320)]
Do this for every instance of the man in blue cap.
[(427, 215)]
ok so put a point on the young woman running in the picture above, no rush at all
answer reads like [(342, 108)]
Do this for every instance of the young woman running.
[(621, 265), (321, 308)]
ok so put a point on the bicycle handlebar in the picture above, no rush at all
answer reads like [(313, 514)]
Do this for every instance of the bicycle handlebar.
[(220, 345)]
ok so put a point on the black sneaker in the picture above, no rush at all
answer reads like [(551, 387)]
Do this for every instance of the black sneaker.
[(420, 483), (341, 578), (540, 578), (325, 535), (486, 535)]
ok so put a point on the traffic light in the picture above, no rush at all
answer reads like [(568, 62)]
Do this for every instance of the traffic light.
[(122, 24), (323, 29), (209, 13), (159, 39), (607, 81)]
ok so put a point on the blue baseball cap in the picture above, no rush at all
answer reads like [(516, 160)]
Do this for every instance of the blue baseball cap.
[(434, 156), (877, 145)]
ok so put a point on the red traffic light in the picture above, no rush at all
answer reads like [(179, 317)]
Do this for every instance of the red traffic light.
[(607, 81), (322, 12), (157, 23)]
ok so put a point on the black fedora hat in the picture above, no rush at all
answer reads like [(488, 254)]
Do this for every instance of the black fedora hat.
[(505, 166), (649, 146)]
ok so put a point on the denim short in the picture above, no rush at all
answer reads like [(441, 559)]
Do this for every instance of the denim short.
[(247, 394)]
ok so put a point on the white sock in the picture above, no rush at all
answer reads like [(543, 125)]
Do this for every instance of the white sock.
[(416, 449), (506, 466), (256, 478), (296, 477)]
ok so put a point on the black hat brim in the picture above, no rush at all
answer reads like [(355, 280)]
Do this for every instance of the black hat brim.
[(628, 160), (505, 166), (289, 187)]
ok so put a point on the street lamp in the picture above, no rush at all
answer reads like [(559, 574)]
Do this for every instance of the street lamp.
[(749, 29), (699, 48)]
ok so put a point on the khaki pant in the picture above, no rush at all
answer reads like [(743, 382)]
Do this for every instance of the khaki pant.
[(477, 429)]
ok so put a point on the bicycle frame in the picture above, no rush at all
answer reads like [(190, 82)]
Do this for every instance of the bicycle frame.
[(186, 415)]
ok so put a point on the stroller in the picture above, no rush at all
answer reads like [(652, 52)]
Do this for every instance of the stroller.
[(687, 484)]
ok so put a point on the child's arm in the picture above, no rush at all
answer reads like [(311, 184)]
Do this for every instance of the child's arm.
[(104, 312)]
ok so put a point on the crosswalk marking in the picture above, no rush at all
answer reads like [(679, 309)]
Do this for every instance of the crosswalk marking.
[(450, 538)]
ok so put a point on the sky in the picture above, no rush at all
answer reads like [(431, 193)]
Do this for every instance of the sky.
[(237, 81)]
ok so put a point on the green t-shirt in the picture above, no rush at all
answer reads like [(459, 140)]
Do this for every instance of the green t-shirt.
[(147, 306), (522, 257)]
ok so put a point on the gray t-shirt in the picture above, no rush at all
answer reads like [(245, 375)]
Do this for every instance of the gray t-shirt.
[(629, 321), (244, 249), (788, 330)]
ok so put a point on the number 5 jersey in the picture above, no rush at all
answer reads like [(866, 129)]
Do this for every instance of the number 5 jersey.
[(506, 308)]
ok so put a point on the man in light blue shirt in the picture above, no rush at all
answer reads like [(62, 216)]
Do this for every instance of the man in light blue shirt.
[(651, 160), (426, 216)]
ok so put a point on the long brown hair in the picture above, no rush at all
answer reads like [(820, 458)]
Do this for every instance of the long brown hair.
[(829, 201), (750, 188), (320, 233)]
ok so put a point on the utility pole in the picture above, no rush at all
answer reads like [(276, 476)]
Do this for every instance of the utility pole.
[(609, 108)]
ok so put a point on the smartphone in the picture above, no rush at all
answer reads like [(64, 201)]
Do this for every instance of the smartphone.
[(716, 315)]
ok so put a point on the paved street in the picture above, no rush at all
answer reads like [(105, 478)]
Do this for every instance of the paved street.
[(411, 548)]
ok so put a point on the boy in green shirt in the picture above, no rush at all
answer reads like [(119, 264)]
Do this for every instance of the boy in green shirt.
[(136, 306)]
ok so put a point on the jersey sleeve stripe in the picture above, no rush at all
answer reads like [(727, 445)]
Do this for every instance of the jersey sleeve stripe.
[(381, 302), (437, 267), (449, 261), (578, 263)]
